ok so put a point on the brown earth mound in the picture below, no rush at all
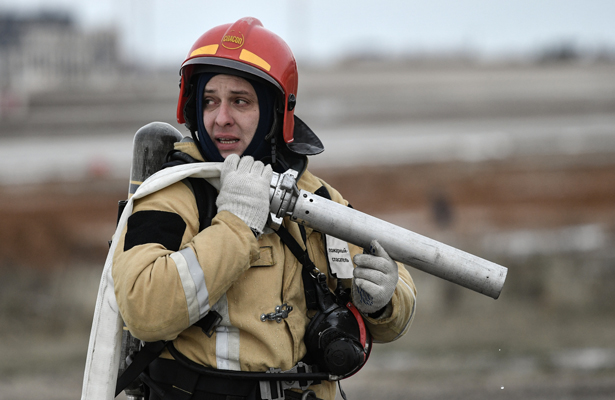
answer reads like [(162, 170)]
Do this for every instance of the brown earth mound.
[(52, 225)]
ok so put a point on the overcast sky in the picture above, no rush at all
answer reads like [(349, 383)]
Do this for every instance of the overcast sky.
[(163, 30)]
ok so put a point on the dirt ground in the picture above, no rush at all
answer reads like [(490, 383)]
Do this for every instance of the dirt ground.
[(530, 344), (73, 221)]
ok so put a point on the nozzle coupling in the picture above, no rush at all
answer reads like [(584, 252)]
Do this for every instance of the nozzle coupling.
[(283, 194)]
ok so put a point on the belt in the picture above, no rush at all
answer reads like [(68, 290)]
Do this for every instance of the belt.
[(171, 373), (178, 382)]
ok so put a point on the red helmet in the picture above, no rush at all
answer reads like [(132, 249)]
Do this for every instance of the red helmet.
[(247, 47)]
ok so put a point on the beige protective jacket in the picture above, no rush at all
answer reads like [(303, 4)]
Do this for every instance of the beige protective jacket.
[(167, 276)]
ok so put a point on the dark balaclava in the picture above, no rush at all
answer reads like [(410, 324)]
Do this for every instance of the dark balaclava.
[(258, 148)]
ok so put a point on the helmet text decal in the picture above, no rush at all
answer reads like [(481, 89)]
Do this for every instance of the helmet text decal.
[(232, 42)]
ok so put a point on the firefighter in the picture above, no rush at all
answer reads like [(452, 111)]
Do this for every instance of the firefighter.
[(237, 97)]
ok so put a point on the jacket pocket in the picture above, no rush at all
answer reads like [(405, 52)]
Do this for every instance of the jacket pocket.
[(265, 259)]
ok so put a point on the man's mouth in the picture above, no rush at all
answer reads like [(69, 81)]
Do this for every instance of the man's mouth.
[(227, 141)]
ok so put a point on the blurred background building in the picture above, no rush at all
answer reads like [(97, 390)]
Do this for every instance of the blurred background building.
[(47, 51)]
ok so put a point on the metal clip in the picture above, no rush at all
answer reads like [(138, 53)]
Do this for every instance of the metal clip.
[(274, 389), (277, 316)]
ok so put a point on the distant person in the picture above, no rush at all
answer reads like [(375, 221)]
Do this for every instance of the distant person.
[(237, 280)]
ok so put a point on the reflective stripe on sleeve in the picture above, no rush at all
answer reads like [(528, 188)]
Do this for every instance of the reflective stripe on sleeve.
[(193, 282)]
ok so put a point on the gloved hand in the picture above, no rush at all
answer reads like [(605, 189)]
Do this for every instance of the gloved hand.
[(375, 278), (244, 190)]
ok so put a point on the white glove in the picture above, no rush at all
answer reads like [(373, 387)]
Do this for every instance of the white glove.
[(375, 278), (244, 190)]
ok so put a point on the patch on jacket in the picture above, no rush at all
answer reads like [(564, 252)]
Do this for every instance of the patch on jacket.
[(162, 227), (338, 254)]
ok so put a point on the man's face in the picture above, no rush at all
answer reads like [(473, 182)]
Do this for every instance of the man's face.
[(230, 113)]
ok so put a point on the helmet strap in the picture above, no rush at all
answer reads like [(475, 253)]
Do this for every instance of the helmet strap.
[(274, 130), (273, 151)]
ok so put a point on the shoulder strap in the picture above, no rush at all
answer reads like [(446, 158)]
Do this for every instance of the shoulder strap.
[(205, 195), (148, 353), (295, 248), (311, 296), (309, 269), (323, 192)]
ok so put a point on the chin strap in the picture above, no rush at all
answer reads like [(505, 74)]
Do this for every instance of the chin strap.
[(273, 151)]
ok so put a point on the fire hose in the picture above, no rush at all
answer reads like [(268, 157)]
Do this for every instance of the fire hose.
[(403, 245)]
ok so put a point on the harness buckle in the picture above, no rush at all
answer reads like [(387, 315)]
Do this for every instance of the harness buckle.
[(274, 390)]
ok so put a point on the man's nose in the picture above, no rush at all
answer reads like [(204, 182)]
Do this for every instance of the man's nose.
[(224, 116)]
